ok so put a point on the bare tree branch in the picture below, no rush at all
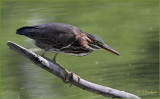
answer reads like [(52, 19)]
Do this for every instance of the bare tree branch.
[(68, 77)]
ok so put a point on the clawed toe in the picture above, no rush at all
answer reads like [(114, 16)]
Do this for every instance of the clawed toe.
[(77, 77)]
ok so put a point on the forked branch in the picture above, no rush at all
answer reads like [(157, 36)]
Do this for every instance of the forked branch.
[(68, 77)]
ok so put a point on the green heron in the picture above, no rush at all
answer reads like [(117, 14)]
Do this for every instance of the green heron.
[(63, 38)]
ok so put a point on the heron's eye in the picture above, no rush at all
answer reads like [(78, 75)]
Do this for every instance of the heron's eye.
[(97, 43)]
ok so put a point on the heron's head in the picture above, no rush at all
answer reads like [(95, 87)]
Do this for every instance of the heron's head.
[(97, 43)]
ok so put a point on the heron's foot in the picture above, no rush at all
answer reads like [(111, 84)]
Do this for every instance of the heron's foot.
[(76, 76), (67, 76)]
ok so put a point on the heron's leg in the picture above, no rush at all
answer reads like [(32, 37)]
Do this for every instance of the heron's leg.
[(43, 53), (54, 58), (45, 50)]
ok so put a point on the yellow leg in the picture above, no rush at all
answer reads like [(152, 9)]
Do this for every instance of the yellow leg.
[(70, 85), (54, 58)]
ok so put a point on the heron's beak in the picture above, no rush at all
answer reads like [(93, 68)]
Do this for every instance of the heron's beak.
[(106, 47)]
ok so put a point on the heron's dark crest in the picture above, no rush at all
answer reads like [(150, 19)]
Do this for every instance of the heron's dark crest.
[(63, 38)]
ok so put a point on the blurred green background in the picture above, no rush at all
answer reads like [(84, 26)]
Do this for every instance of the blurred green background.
[(129, 27)]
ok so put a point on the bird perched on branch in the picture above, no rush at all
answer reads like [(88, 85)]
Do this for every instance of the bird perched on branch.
[(63, 38)]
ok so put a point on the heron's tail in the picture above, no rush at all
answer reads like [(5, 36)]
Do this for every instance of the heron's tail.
[(29, 31)]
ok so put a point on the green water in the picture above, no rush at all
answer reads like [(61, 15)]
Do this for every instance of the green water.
[(131, 28)]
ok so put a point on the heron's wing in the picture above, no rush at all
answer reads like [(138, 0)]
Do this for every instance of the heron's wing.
[(58, 36), (61, 40)]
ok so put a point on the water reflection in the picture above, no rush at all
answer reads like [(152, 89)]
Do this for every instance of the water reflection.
[(131, 28)]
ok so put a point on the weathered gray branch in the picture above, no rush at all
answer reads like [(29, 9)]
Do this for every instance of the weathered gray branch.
[(68, 77)]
